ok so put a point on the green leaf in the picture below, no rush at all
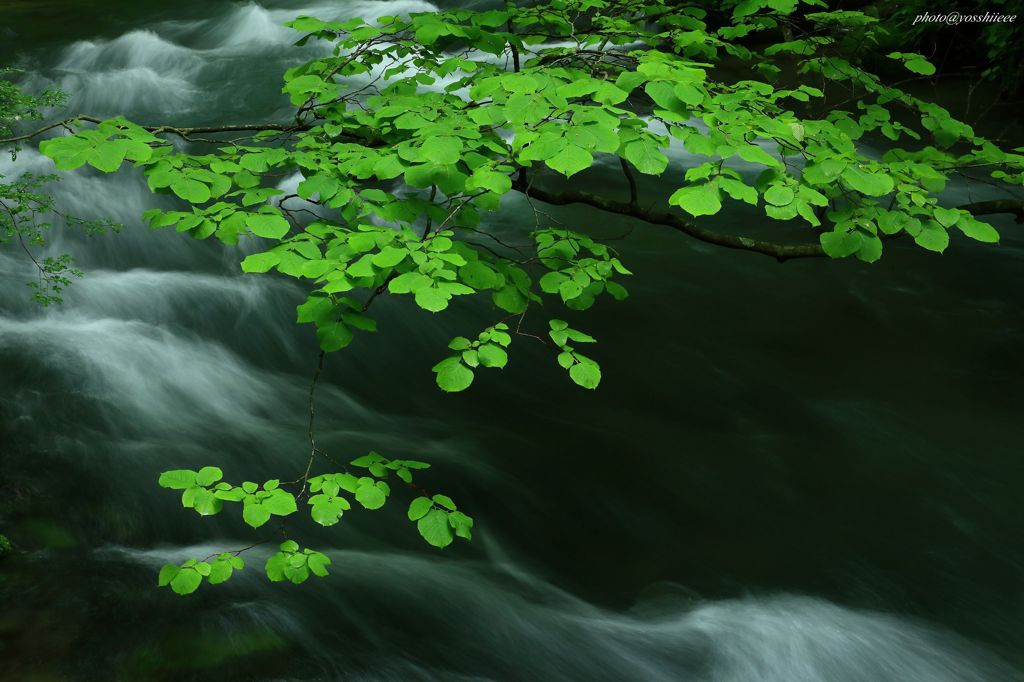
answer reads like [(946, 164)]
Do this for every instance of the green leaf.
[(418, 508), (571, 160), (586, 374), (318, 564), (179, 479), (295, 568), (870, 183), (231, 494), (68, 153), (752, 153), (921, 66), (617, 291), (408, 283), (526, 108), (779, 195), (327, 511), (370, 496), (737, 190), (663, 95), (452, 375), (267, 225), (697, 200), (220, 571), (434, 528), (108, 156), (870, 248), (510, 299), (947, 217), (282, 503), (442, 149), (260, 262), (389, 257), (362, 267), (492, 355), (689, 94), (275, 567), (168, 571), (367, 460), (255, 514), (579, 337), (388, 167), (191, 190), (206, 503), (496, 182), (324, 185), (933, 237), (188, 498), (544, 147), (646, 155), (428, 32), (569, 289), (333, 336), (208, 475), (186, 581), (976, 229), (360, 321), (478, 275), (445, 501), (432, 299), (839, 243), (823, 171), (550, 282), (462, 524)]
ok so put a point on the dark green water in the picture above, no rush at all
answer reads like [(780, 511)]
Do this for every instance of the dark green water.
[(796, 472)]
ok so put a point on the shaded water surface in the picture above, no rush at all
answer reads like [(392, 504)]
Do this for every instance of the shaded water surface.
[(790, 473)]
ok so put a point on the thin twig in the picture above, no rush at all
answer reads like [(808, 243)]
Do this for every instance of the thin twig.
[(312, 418)]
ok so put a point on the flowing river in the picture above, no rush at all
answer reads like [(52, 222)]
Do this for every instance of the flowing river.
[(795, 472)]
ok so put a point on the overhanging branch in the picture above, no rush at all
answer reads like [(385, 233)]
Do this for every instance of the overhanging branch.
[(176, 130), (781, 252), (1014, 206)]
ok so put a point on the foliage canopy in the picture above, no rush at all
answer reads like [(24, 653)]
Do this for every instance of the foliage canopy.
[(409, 131)]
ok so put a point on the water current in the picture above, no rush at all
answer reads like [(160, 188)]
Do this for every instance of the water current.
[(795, 472)]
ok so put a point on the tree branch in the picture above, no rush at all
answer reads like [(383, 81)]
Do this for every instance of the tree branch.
[(313, 450), (514, 49), (634, 196), (781, 252), (1014, 206), (183, 132)]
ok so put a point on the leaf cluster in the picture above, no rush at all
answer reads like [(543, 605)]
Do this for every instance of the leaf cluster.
[(411, 132)]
